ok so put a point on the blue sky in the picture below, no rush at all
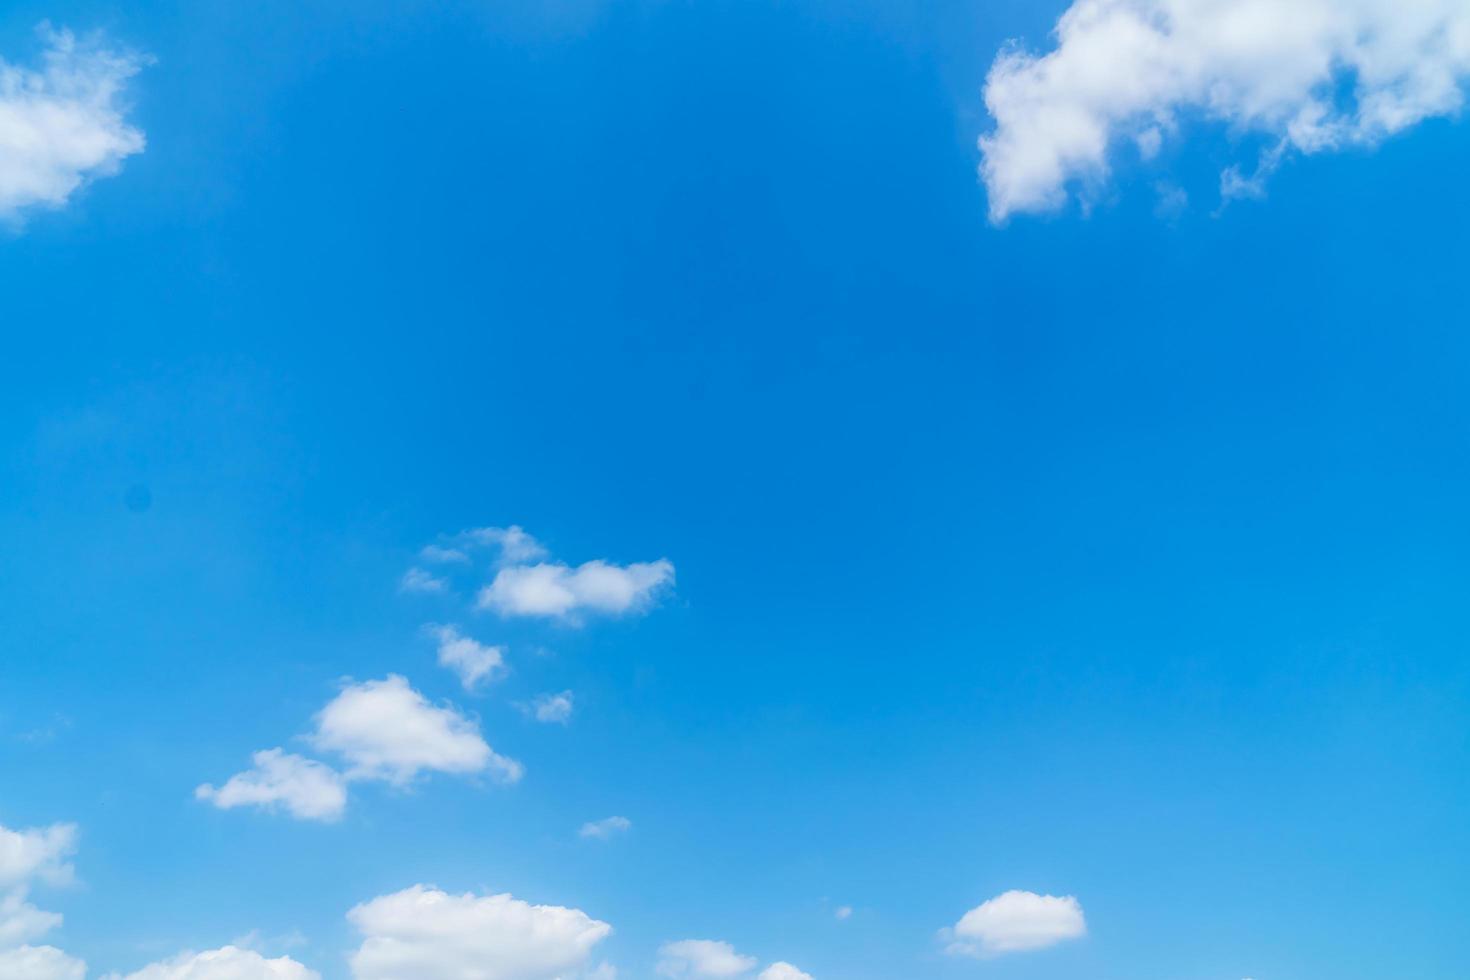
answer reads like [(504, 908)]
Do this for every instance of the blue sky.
[(1086, 535)]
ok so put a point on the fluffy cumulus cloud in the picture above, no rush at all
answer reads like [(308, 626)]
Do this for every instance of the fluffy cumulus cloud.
[(559, 591), (20, 921), (1016, 922), (386, 730), (62, 121), (702, 958), (40, 963), (302, 787), (783, 971), (228, 963), (40, 852), (475, 663), (1306, 76), (606, 828), (426, 934)]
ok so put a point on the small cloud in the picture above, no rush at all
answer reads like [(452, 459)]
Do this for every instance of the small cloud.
[(436, 555), (1015, 922), (553, 709), (47, 732), (417, 580), (515, 545), (557, 591), (305, 789), (1172, 201), (783, 971), (605, 829), (475, 663), (702, 958), (843, 913), (386, 730), (422, 933)]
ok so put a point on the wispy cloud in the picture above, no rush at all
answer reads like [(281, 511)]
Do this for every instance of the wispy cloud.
[(555, 709), (606, 828), (418, 580)]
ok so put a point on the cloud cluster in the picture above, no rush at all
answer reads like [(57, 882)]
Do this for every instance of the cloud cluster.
[(1017, 921), (62, 122), (41, 852), (40, 963), (427, 934), (27, 857), (526, 583), (383, 731), (1307, 76)]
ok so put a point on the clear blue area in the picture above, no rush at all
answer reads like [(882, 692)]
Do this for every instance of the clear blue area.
[(1097, 555)]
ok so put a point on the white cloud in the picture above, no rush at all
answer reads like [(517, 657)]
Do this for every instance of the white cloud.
[(443, 556), (1133, 71), (61, 123), (606, 828), (843, 913), (702, 958), (20, 921), (227, 963), (1015, 922), (515, 545), (41, 852), (783, 971), (422, 933), (474, 662), (40, 963), (418, 580), (305, 789), (38, 854), (387, 730), (553, 708), (560, 591)]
